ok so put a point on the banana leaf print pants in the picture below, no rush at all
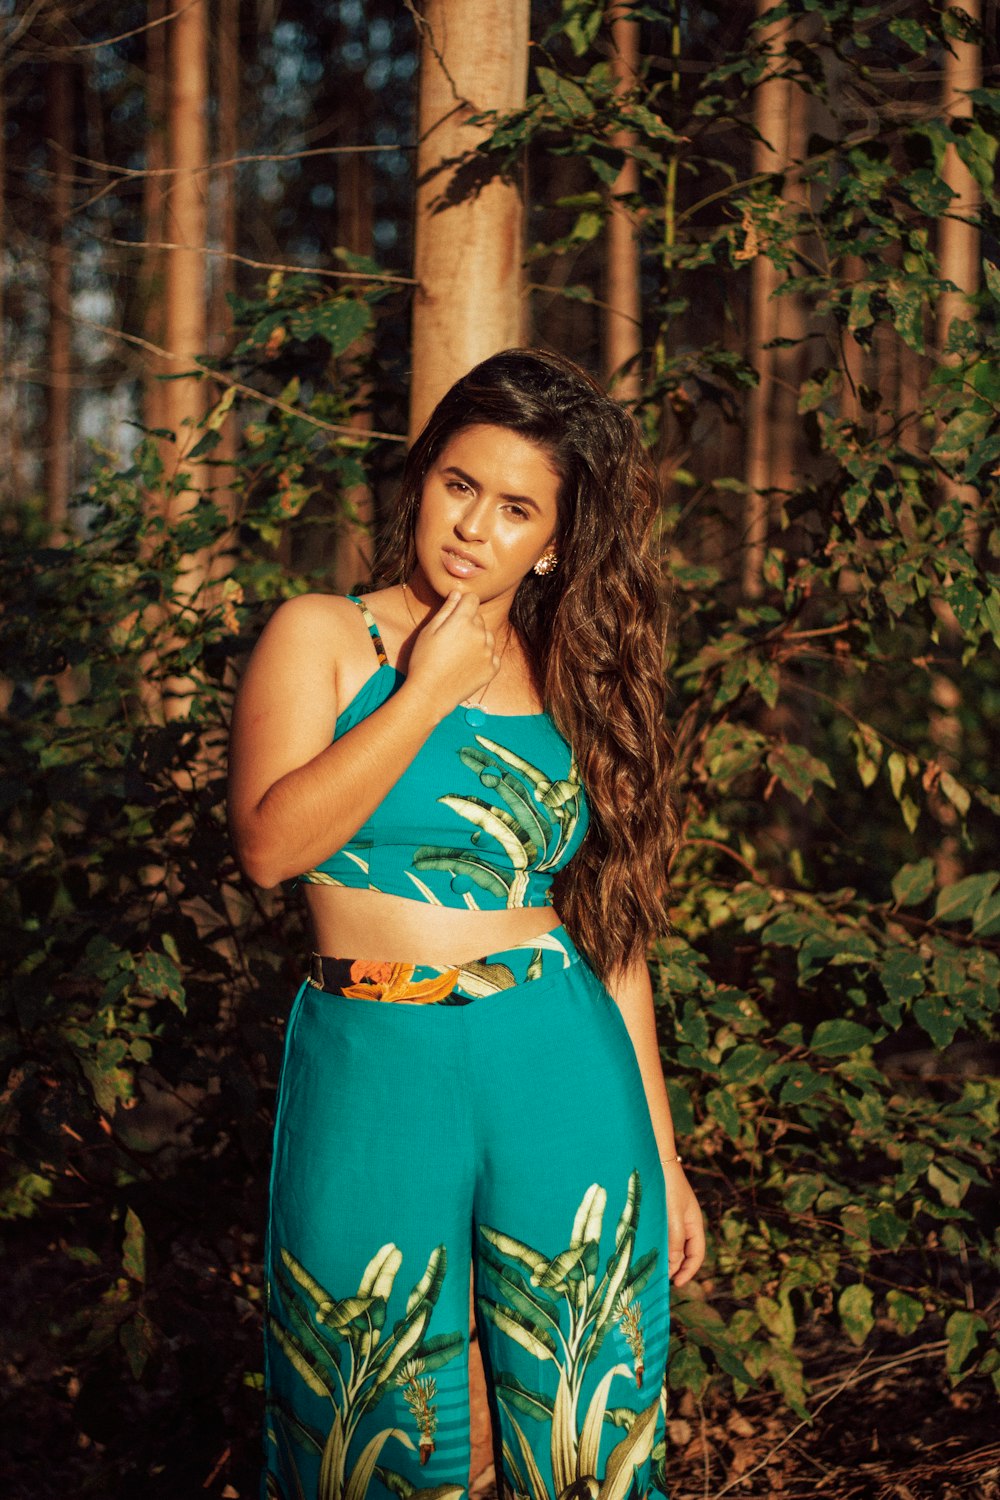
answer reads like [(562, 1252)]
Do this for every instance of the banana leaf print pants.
[(430, 1120)]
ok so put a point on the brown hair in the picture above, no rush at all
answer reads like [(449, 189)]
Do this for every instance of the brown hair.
[(593, 629)]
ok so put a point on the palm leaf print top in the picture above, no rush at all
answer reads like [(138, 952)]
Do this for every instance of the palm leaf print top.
[(488, 811)]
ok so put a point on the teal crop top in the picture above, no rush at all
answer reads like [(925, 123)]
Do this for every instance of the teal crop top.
[(487, 812)]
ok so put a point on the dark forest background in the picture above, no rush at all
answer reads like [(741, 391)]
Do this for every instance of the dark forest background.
[(244, 245)]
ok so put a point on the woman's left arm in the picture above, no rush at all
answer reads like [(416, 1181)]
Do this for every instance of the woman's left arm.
[(633, 994)]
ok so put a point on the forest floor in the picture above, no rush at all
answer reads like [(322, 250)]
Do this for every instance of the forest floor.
[(884, 1426), (886, 1423)]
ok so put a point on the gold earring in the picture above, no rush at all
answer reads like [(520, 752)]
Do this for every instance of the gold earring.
[(546, 563)]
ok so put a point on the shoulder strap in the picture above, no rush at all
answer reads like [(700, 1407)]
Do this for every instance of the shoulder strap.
[(373, 630)]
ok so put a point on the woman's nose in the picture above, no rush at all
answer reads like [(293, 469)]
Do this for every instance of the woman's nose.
[(473, 521)]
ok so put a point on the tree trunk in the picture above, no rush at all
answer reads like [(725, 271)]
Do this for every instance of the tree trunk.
[(153, 211), (467, 254), (186, 220), (780, 115), (58, 439), (623, 314), (958, 238), (223, 274), (8, 404)]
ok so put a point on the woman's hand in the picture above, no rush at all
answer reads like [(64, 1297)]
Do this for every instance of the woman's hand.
[(454, 655), (685, 1227)]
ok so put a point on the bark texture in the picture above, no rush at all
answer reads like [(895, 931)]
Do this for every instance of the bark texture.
[(153, 211), (780, 115), (58, 440), (186, 222), (467, 254), (623, 314), (958, 233)]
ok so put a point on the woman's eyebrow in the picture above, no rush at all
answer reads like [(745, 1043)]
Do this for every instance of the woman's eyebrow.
[(475, 485)]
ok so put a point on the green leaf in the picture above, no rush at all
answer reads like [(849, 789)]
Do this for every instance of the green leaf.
[(951, 1189), (158, 976), (721, 1108), (798, 770), (840, 1038), (855, 1308), (887, 1227), (912, 884), (963, 1331), (986, 917), (903, 974), (340, 321), (134, 1248), (905, 1311), (939, 1019), (965, 599), (777, 1316), (910, 32), (745, 1063), (958, 901), (565, 98), (137, 1338), (868, 753)]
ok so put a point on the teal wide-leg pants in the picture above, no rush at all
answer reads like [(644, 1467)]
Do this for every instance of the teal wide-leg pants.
[(412, 1141)]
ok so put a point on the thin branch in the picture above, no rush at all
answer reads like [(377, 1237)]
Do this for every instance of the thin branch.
[(755, 875), (259, 265), (360, 435), (806, 1422), (123, 36)]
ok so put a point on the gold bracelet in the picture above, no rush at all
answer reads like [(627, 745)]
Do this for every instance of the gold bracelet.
[(666, 1160)]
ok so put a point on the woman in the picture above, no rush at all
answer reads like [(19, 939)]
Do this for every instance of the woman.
[(455, 766)]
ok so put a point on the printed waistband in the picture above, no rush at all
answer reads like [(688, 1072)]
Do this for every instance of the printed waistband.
[(444, 984)]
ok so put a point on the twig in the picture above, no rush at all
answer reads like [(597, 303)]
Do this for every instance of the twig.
[(938, 1346), (259, 265), (221, 378), (806, 1422)]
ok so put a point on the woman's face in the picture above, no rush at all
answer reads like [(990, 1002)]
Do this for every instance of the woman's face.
[(487, 513)]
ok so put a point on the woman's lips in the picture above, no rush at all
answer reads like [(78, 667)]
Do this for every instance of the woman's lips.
[(458, 564)]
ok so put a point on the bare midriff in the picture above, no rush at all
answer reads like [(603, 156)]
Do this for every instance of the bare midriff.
[(371, 924)]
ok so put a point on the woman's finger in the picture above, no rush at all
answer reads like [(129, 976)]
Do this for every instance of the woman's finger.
[(448, 608)]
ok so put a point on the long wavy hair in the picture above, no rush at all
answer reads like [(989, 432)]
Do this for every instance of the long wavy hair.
[(593, 630)]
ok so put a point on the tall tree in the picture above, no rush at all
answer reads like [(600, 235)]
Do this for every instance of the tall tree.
[(622, 325), (958, 233), (153, 209), (467, 253), (780, 122), (223, 271), (186, 221), (59, 130)]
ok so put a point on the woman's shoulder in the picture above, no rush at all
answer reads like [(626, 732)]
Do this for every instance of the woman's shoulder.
[(317, 626)]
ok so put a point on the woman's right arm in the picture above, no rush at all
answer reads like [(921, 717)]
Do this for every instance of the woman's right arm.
[(295, 797)]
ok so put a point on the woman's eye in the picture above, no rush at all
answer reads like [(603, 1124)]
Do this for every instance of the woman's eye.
[(519, 511)]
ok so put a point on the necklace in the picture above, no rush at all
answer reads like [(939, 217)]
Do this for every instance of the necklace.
[(475, 714)]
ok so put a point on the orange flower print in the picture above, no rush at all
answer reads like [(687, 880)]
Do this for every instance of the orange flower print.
[(371, 971), (382, 981)]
